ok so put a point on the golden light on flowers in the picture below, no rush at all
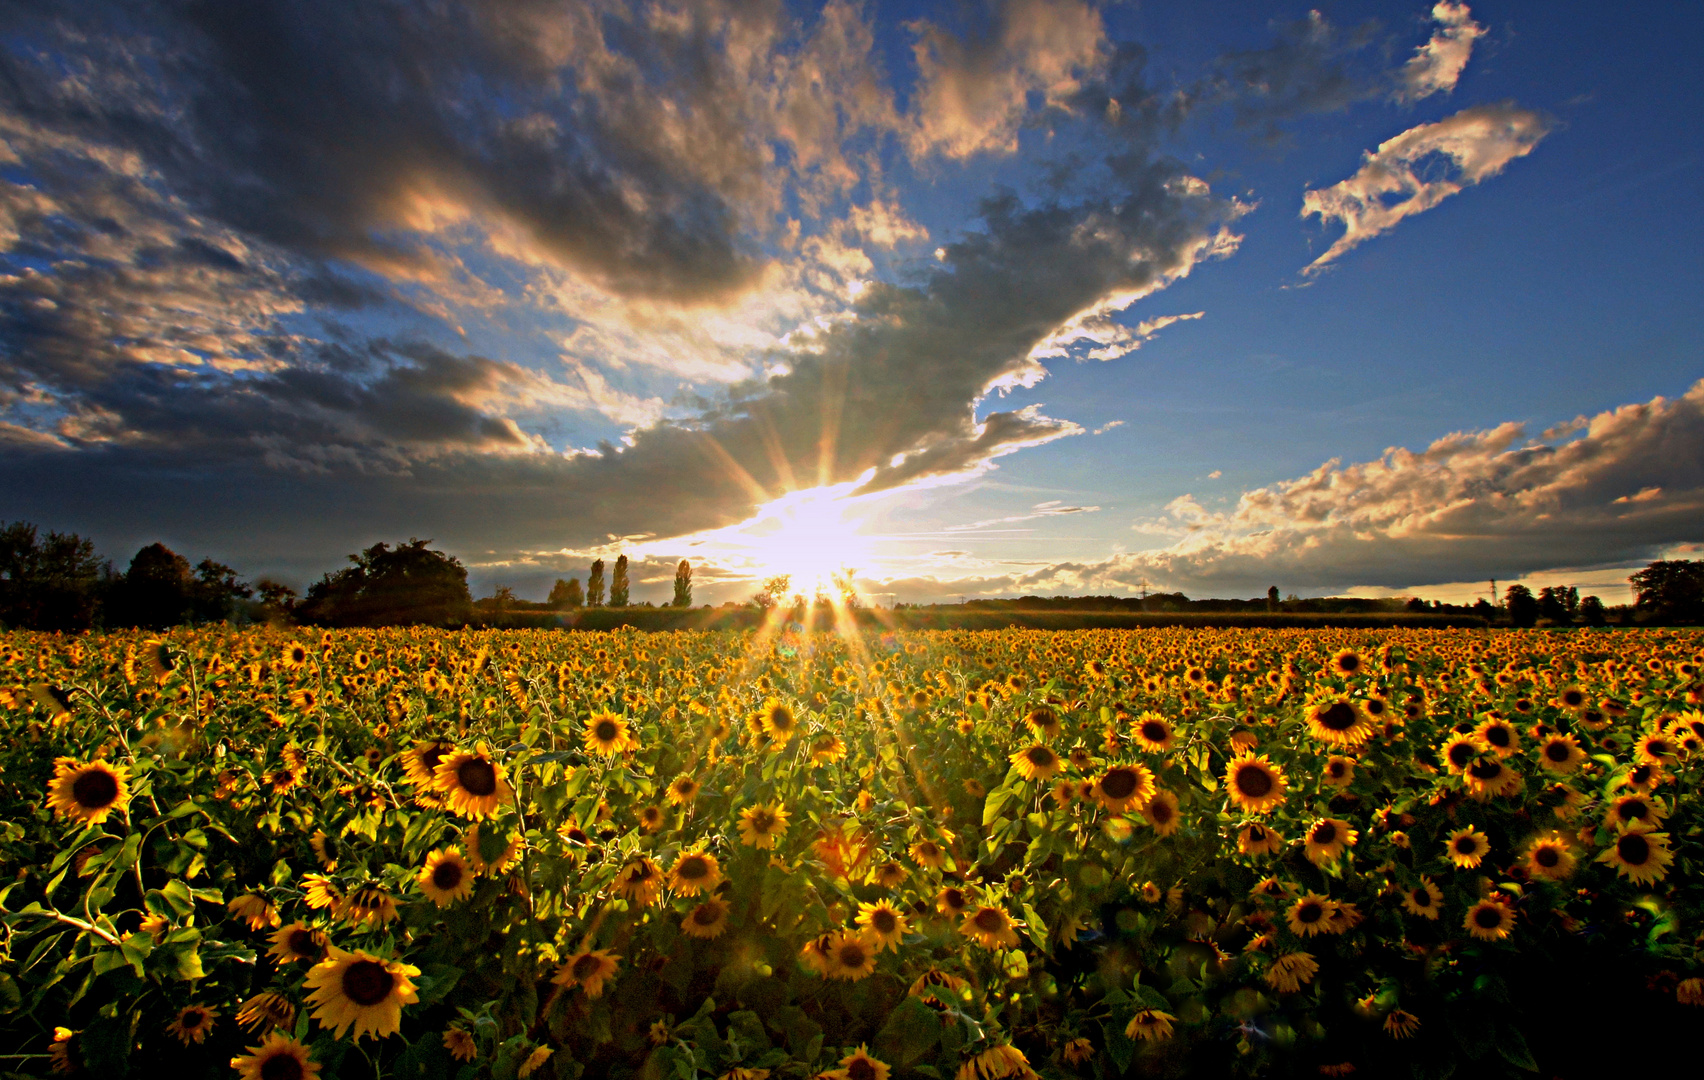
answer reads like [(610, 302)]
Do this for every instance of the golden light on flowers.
[(1499, 735), (1310, 915), (361, 992), (1257, 839), (760, 825), (588, 969), (1254, 784), (534, 1060), (1635, 811), (1150, 1025), (1560, 754), (1153, 733), (1466, 847), (87, 791), (695, 872), (1550, 857), (446, 877), (192, 1024), (1489, 920), (1339, 771), (851, 957), (1639, 856), (778, 722), (639, 881), (255, 910), (421, 761), (860, 1065), (295, 941), (1460, 751), (989, 927), (472, 784), (1043, 722), (1292, 971), (278, 1057), (1425, 899), (1400, 1024), (1339, 722), (1491, 778), (607, 735), (1161, 812), (1036, 762), (706, 920), (1327, 839), (460, 1043), (683, 789), (265, 1011), (1122, 787)]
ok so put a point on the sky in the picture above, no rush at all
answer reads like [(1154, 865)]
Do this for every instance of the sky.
[(971, 299)]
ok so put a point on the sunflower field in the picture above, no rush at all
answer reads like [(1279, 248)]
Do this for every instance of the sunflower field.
[(407, 853)]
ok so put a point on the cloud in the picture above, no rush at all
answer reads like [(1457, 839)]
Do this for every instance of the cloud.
[(1110, 339), (1106, 427), (1420, 168), (1437, 65), (1040, 510), (973, 93), (1472, 505)]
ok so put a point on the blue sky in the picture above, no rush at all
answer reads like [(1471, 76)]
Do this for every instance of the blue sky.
[(548, 281)]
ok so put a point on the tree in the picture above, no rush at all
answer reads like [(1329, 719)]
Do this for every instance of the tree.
[(683, 584), (215, 591), (594, 585), (47, 584), (156, 592), (773, 591), (566, 594), (1671, 589), (277, 600), (1553, 604), (1592, 613), (1272, 598), (618, 583), (406, 585), (1522, 608), (846, 584)]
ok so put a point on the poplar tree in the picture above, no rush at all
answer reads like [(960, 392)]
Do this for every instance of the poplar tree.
[(618, 583), (683, 584), (594, 585)]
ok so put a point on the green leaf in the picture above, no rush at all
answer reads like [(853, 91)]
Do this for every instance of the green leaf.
[(910, 1032), (1512, 1046), (436, 980)]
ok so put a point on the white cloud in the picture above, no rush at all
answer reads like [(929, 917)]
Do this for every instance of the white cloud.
[(1402, 177), (1437, 65), (1111, 339)]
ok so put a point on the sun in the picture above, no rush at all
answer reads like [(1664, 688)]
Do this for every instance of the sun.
[(810, 536)]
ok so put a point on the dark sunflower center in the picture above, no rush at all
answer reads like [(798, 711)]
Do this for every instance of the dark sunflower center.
[(366, 982), (762, 821), (1337, 769), (1572, 698), (954, 898), (1422, 898), (861, 1069), (1547, 857), (1310, 912), (1254, 781), (1338, 716), (1161, 811), (1634, 811), (95, 789), (1040, 756), (302, 943), (1257, 834), (1119, 783), (1488, 918), (639, 871), (1659, 748), (585, 967), (192, 1018), (1634, 849), (1351, 662), (989, 921), (883, 921), (1497, 736), (1485, 770), (447, 876), (1460, 754), (1375, 707), (477, 777), (1640, 775), (1466, 846), (705, 915), (1324, 833), (1154, 731), (1557, 751), (781, 720), (693, 868), (852, 955), (282, 1065)]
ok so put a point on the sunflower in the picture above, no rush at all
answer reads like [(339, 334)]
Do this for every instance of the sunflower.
[(278, 1057), (942, 987), (297, 941), (255, 910), (883, 924), (1499, 735), (1636, 811), (1489, 920), (683, 789), (695, 872), (1550, 857), (500, 862), (1161, 812), (1467, 847), (851, 957), (472, 784), (952, 901), (1339, 771), (460, 1043), (1424, 899), (1656, 748), (888, 873), (760, 825), (607, 735), (1153, 733), (859, 1065), (588, 969), (1311, 914), (927, 853), (1043, 722), (1639, 855), (1123, 787), (1150, 1025), (192, 1024), (1327, 839), (1255, 784), (990, 927), (446, 877), (640, 880), (1560, 754), (1077, 1051), (265, 1011), (1257, 839), (360, 990), (87, 791), (1339, 721), (421, 760), (1489, 779), (814, 954), (367, 905), (777, 721), (1460, 751), (1291, 972), (295, 654), (707, 920), (1348, 663), (320, 892), (827, 749), (1401, 1024), (1036, 762)]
